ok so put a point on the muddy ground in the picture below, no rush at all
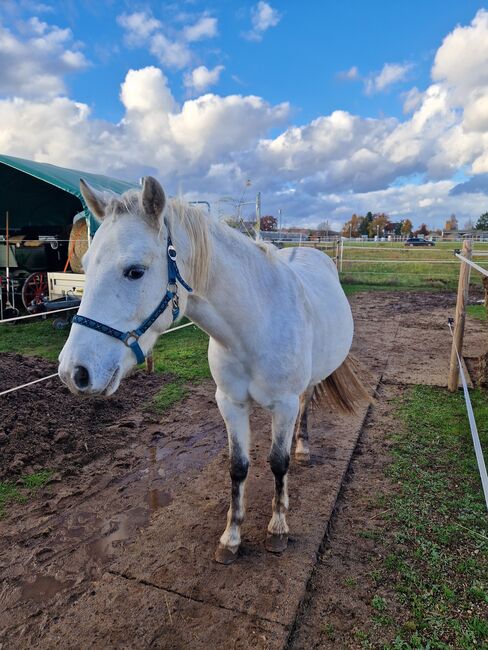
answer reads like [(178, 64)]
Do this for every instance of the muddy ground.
[(116, 552)]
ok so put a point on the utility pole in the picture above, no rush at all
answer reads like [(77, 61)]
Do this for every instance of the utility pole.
[(258, 216)]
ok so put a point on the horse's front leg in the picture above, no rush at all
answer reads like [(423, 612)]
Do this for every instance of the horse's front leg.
[(236, 418), (283, 424)]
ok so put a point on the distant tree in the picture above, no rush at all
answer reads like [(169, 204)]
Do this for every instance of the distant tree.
[(365, 224), (269, 223), (352, 227), (393, 228), (378, 224), (406, 228), (482, 223), (233, 223), (423, 230), (451, 223)]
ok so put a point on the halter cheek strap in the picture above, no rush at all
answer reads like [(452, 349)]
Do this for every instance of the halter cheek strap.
[(131, 338)]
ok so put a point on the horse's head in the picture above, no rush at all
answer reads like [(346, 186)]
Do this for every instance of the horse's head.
[(127, 276)]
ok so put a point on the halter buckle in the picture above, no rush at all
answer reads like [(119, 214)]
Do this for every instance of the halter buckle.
[(130, 335)]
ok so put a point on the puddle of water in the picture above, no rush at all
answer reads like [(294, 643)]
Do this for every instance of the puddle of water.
[(118, 529), (158, 499), (43, 588)]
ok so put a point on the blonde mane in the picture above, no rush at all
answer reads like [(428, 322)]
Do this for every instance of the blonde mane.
[(195, 224)]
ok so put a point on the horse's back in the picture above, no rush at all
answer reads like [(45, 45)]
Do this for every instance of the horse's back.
[(331, 318)]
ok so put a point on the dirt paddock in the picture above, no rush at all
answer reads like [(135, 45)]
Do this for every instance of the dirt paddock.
[(117, 550)]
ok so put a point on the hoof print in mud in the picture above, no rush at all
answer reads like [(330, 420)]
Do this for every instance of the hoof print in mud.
[(276, 543)]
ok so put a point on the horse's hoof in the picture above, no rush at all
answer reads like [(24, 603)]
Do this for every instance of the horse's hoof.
[(225, 555), (276, 543), (302, 458)]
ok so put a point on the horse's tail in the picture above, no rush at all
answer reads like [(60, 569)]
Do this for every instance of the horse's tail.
[(342, 389)]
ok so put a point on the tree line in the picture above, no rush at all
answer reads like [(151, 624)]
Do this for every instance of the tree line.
[(380, 224)]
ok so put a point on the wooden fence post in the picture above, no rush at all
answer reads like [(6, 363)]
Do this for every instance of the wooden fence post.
[(150, 363), (460, 317), (484, 281)]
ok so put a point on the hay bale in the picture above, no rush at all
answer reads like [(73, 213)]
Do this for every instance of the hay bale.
[(78, 244)]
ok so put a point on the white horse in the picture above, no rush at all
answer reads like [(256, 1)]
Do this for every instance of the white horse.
[(279, 323)]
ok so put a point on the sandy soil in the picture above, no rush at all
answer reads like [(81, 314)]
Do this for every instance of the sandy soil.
[(116, 552)]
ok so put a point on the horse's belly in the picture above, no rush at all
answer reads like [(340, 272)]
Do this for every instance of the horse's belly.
[(332, 325)]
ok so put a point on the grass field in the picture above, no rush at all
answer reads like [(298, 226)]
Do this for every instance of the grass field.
[(395, 265), (433, 527)]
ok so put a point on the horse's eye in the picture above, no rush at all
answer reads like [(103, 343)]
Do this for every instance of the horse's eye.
[(134, 272)]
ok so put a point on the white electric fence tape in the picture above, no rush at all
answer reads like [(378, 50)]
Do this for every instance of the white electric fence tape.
[(30, 383), (473, 264), (41, 313), (474, 429)]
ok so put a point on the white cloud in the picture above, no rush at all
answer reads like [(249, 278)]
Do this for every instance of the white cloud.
[(171, 53), (263, 16), (36, 65), (206, 27), (390, 74), (171, 49), (138, 26), (349, 75), (461, 60), (202, 78), (328, 168), (412, 99)]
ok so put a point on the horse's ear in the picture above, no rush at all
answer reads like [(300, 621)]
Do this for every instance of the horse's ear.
[(152, 198), (95, 200)]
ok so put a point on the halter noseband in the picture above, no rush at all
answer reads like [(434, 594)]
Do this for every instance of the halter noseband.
[(131, 339)]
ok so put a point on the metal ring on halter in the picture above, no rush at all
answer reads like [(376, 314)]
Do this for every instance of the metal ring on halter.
[(172, 287), (131, 335), (172, 252)]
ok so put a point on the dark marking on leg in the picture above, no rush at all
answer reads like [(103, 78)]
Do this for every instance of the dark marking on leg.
[(279, 461), (239, 467)]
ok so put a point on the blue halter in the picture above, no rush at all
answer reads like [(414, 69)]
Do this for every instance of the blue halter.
[(131, 339)]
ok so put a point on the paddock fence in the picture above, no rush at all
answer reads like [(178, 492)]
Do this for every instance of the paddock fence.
[(456, 370), (398, 265)]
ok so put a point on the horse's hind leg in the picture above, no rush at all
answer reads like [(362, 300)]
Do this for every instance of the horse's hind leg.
[(302, 451), (236, 418), (283, 423)]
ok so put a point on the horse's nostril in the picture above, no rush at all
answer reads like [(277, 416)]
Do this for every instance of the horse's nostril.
[(81, 377)]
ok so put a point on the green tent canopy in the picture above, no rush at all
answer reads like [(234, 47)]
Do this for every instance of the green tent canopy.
[(39, 195)]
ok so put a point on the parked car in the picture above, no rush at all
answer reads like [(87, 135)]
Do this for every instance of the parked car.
[(418, 241)]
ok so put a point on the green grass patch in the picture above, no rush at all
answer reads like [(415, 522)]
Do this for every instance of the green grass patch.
[(38, 339), (169, 395), (477, 311), (438, 551), (183, 354), (11, 493)]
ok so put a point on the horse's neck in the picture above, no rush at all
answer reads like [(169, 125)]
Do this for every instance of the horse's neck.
[(241, 281)]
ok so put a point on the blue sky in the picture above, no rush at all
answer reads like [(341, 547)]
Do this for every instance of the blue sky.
[(328, 107)]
